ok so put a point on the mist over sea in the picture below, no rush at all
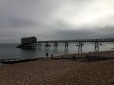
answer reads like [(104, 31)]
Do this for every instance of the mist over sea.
[(8, 51)]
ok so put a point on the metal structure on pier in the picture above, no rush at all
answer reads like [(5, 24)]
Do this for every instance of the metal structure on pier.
[(79, 42)]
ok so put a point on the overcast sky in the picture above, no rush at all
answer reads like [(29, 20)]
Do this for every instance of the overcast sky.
[(56, 19)]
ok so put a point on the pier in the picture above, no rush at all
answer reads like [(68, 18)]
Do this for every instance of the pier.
[(79, 43)]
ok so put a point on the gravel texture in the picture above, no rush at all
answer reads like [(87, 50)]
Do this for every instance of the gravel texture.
[(58, 72)]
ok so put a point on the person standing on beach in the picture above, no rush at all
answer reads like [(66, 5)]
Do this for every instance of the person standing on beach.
[(46, 54)]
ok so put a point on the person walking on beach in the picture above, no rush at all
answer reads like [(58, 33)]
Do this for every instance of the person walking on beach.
[(46, 54), (52, 56)]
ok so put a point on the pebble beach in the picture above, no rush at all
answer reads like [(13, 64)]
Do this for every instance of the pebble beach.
[(49, 71)]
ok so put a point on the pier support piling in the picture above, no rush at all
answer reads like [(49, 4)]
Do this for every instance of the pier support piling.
[(96, 45), (80, 44), (55, 44), (46, 44), (39, 44), (66, 44)]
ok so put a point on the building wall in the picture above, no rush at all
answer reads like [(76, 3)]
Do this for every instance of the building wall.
[(28, 40)]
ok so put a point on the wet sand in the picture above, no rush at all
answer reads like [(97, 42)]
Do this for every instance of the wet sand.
[(60, 72)]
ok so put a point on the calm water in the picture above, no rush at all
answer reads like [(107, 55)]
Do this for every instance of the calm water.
[(10, 50)]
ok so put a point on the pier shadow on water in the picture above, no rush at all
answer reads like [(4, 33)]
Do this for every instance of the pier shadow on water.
[(47, 49), (66, 50), (55, 50)]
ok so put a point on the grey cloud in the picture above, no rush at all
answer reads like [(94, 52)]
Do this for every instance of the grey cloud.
[(11, 22), (40, 18), (106, 32)]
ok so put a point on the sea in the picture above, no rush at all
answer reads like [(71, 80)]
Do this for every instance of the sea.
[(8, 51)]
